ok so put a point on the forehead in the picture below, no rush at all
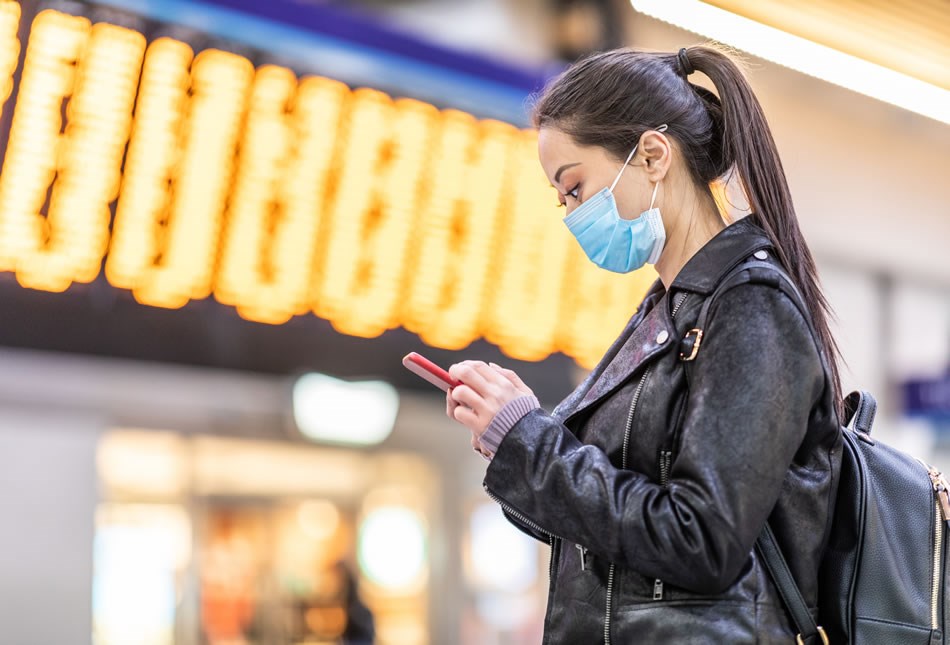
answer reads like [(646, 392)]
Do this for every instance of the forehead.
[(556, 148), (553, 143)]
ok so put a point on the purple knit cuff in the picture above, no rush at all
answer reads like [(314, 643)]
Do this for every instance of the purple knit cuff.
[(504, 421)]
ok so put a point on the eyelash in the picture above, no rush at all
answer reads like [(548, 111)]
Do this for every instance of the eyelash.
[(573, 192)]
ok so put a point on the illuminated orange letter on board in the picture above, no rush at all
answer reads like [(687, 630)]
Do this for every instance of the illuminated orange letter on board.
[(274, 214), (457, 231), (521, 317), (188, 224), (148, 188), (370, 231), (97, 70), (30, 164), (9, 47)]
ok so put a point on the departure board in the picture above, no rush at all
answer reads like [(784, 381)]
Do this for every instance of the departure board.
[(187, 174)]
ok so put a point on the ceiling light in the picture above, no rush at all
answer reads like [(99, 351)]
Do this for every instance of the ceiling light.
[(802, 55)]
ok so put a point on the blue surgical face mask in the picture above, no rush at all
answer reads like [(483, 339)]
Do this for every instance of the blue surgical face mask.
[(611, 242)]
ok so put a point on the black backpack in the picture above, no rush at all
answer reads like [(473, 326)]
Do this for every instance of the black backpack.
[(883, 575), (882, 578)]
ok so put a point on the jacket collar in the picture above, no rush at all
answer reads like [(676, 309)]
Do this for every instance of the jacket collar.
[(639, 341), (719, 255)]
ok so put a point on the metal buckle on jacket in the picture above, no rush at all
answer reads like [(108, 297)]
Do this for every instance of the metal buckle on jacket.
[(697, 339), (821, 632)]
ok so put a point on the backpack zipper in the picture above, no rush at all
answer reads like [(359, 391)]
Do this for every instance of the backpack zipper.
[(942, 514), (626, 442), (935, 589)]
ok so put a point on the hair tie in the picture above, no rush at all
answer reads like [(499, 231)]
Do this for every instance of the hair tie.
[(685, 66)]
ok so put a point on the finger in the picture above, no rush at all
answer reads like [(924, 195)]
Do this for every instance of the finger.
[(468, 397), (513, 378), (467, 417), (498, 388), (467, 374), (477, 447), (450, 404), (490, 374)]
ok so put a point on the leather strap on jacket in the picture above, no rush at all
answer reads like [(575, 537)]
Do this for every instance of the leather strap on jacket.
[(758, 271)]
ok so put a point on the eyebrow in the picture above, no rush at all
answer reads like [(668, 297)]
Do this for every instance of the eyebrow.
[(557, 175)]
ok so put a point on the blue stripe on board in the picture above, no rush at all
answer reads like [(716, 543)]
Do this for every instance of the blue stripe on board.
[(370, 58)]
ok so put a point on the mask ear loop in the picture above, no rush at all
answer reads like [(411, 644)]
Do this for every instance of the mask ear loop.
[(661, 128), (624, 167)]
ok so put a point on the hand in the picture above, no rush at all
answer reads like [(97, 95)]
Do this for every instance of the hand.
[(485, 390)]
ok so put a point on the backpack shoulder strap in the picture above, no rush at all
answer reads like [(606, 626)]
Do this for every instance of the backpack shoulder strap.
[(781, 575), (762, 272)]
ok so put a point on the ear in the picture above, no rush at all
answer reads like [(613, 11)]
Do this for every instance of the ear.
[(656, 151)]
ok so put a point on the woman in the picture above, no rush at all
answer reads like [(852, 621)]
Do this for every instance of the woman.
[(654, 478)]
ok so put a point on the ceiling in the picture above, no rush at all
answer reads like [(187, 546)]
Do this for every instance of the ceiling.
[(912, 37)]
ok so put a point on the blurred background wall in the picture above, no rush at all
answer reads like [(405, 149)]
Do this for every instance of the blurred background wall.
[(167, 475)]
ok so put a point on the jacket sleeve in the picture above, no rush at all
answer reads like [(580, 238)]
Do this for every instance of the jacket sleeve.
[(753, 385)]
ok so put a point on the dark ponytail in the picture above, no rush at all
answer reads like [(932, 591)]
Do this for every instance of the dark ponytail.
[(609, 99)]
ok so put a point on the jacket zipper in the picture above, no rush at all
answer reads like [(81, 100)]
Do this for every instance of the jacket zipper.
[(626, 442), (941, 514), (518, 516), (552, 538), (666, 459)]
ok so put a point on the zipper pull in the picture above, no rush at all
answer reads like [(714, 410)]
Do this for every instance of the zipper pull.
[(657, 589), (941, 490), (583, 552), (944, 498)]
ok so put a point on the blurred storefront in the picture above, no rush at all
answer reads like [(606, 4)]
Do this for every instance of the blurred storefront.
[(184, 508), (259, 542)]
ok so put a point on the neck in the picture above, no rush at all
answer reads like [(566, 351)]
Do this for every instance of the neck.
[(690, 222)]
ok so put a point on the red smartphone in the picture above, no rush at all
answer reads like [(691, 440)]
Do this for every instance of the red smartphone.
[(423, 367)]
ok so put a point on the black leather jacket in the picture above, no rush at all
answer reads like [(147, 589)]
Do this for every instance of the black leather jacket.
[(652, 486)]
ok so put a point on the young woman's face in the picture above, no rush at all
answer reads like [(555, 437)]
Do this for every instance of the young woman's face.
[(579, 172)]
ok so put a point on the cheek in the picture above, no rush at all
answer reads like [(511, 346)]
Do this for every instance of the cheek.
[(629, 204), (632, 197)]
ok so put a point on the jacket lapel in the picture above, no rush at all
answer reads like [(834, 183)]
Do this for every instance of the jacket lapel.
[(566, 407), (637, 348)]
